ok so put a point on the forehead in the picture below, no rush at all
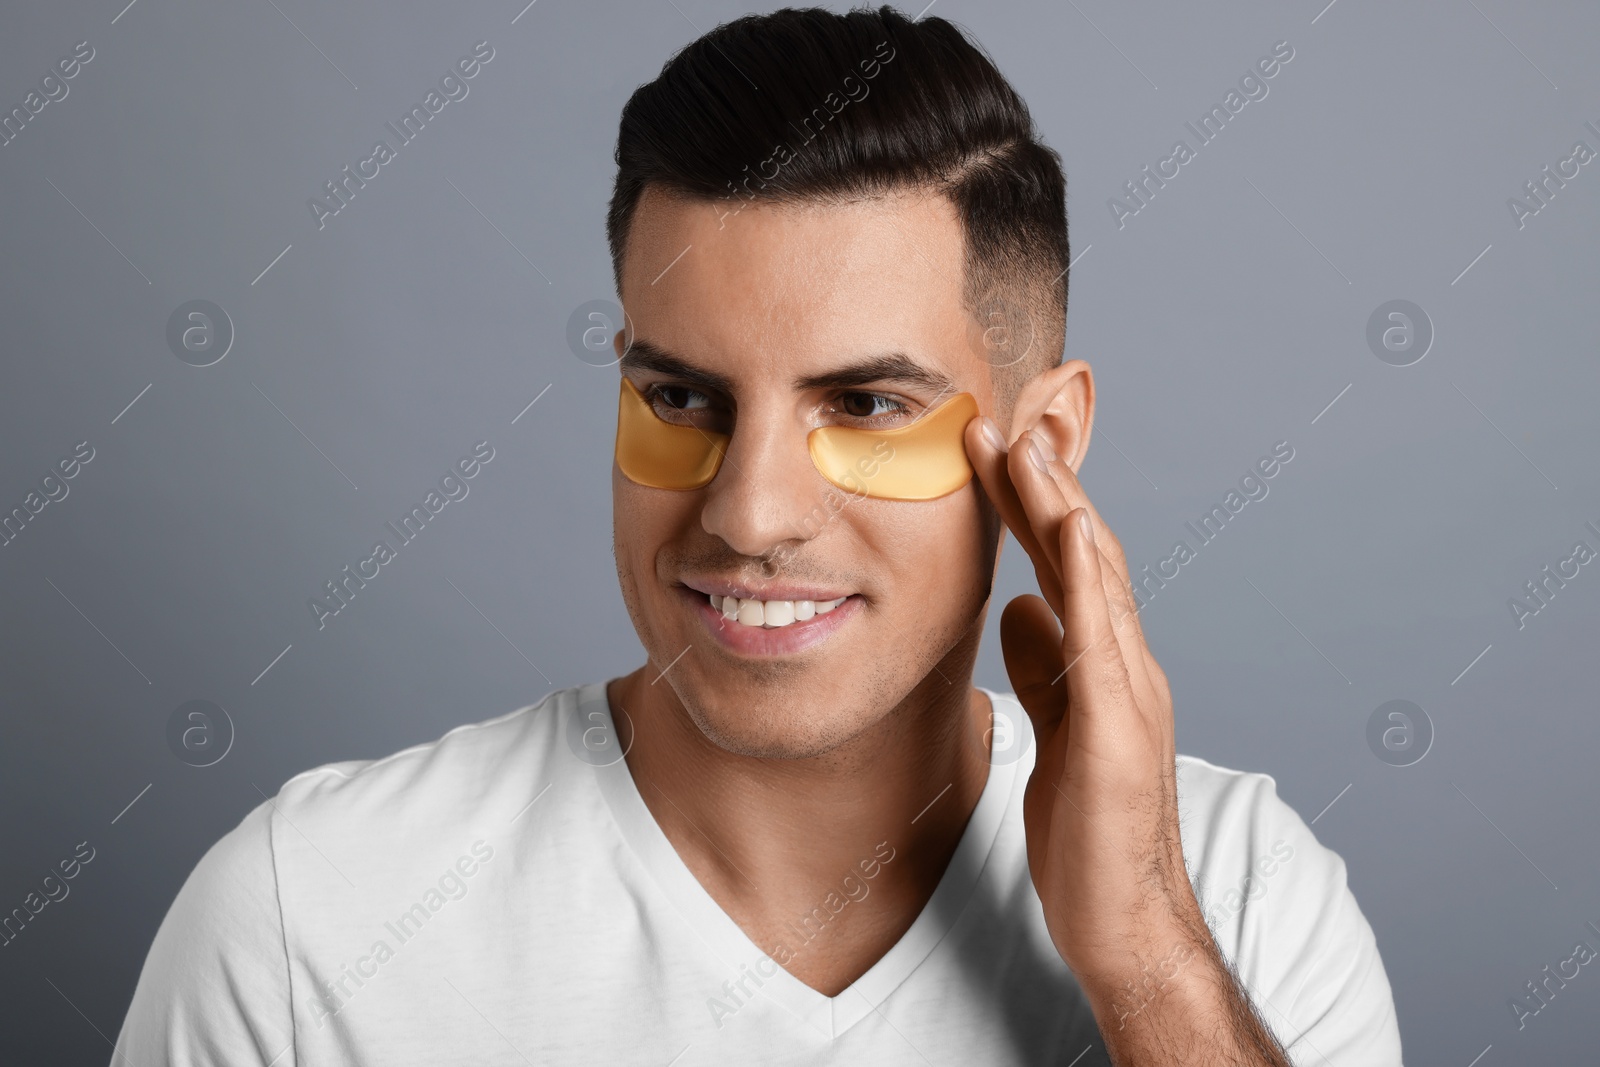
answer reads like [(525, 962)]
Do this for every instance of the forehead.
[(738, 286)]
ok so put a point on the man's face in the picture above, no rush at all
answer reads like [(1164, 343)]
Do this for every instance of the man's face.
[(763, 308)]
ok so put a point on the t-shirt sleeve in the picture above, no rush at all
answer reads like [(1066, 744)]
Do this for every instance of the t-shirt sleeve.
[(1280, 907), (215, 985)]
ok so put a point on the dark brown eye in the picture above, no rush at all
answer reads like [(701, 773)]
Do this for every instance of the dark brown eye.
[(681, 397), (865, 405)]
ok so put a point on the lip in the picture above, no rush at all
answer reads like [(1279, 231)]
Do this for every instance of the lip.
[(758, 641)]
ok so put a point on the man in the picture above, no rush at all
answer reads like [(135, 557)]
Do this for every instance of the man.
[(799, 834)]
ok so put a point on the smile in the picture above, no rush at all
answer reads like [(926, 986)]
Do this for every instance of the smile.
[(752, 627), (771, 613)]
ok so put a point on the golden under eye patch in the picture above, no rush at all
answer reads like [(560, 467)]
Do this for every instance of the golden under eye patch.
[(920, 461), (661, 454)]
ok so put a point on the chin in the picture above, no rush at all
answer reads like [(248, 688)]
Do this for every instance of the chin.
[(772, 724)]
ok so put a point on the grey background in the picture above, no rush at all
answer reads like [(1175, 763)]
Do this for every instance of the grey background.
[(1221, 319)]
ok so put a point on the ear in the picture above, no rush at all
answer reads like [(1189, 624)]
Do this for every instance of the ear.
[(1058, 406)]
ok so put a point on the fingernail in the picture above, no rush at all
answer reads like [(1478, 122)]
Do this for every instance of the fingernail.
[(991, 433), (1037, 455), (1085, 525), (1044, 447)]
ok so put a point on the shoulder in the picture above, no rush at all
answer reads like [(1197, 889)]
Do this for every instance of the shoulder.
[(218, 976), (1279, 905), (1229, 816), (1241, 840), (1242, 843), (470, 769), (215, 982)]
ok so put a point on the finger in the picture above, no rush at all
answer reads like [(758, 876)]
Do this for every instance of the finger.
[(1047, 487), (1099, 690), (1142, 670), (1033, 501), (993, 467), (1042, 500), (1123, 602), (1031, 643), (1153, 694), (1105, 540), (1041, 488), (1043, 508), (1122, 610), (1126, 621)]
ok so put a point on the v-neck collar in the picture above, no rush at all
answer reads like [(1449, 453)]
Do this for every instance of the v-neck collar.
[(829, 1016)]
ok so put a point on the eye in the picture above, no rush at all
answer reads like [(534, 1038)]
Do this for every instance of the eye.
[(870, 406), (681, 397), (684, 405)]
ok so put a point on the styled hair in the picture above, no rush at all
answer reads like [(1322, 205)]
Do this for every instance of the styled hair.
[(804, 104)]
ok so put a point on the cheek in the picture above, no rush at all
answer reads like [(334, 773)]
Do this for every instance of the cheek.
[(644, 521), (931, 555), (633, 535)]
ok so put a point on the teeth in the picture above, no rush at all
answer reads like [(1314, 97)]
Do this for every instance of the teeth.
[(771, 614)]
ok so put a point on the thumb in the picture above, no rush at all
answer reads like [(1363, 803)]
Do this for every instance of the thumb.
[(1031, 643)]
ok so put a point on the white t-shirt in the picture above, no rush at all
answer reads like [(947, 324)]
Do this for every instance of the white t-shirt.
[(503, 896)]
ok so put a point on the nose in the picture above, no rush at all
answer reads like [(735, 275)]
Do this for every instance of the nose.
[(767, 494)]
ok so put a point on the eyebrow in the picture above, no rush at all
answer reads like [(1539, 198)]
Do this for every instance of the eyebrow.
[(890, 367), (642, 355)]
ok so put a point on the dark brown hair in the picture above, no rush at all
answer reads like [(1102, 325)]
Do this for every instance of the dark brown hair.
[(810, 105)]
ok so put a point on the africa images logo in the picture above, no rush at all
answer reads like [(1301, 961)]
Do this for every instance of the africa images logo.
[(335, 993), (452, 87), (342, 591)]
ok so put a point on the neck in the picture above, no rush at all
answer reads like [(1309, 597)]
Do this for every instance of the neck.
[(772, 841)]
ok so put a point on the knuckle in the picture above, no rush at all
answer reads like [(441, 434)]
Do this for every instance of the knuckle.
[(1113, 680)]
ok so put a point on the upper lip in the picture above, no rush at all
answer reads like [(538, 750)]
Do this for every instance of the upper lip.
[(747, 590)]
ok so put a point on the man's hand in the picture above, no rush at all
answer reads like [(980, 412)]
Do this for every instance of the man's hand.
[(1101, 808)]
